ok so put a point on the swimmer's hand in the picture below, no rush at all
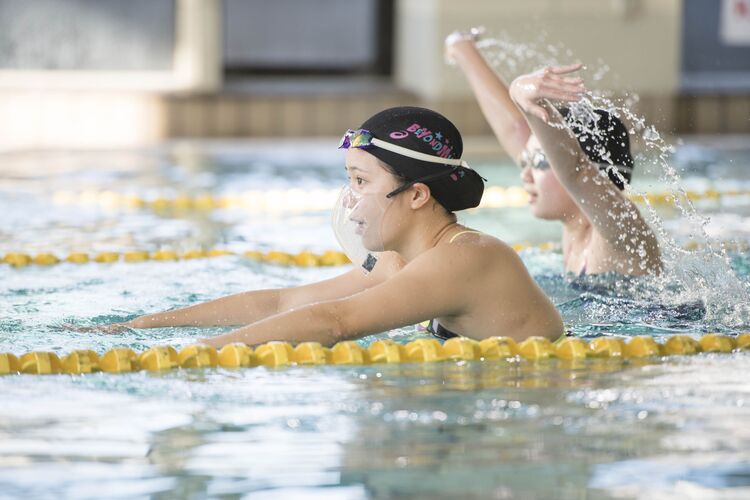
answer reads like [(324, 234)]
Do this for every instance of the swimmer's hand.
[(548, 83), (111, 329), (458, 40)]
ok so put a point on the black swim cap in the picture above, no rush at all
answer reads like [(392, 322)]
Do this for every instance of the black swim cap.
[(427, 132), (605, 141)]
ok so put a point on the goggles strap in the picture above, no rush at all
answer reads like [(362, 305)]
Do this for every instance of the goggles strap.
[(424, 179), (416, 154)]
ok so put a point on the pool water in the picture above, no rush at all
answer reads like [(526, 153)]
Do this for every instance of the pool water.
[(666, 428)]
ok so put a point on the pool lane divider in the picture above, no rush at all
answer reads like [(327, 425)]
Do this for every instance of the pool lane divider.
[(300, 259), (423, 350), (304, 258), (300, 200)]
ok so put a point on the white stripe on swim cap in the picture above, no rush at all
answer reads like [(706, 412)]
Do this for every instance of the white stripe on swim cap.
[(417, 155)]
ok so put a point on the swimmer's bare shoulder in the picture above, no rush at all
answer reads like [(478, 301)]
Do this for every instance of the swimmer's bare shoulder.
[(493, 276), (487, 254), (471, 264)]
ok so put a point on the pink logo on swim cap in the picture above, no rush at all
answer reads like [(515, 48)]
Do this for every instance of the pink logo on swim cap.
[(399, 134)]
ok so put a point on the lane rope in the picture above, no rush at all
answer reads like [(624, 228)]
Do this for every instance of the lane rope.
[(301, 259), (571, 350), (305, 258), (300, 200)]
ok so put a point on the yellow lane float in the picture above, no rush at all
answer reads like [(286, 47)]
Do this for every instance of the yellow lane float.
[(237, 355), (386, 351), (536, 348), (298, 200), (348, 353), (81, 361), (572, 351), (158, 359), (311, 353), (121, 360), (274, 354), (713, 342), (607, 347), (462, 348), (9, 363), (498, 348), (424, 351), (571, 348), (198, 356)]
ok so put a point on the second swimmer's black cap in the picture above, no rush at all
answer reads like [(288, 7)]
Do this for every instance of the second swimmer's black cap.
[(605, 140), (428, 132)]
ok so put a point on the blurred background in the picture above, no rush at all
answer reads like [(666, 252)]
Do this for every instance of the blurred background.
[(115, 73)]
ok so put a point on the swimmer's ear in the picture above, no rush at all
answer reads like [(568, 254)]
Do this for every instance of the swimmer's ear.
[(419, 194)]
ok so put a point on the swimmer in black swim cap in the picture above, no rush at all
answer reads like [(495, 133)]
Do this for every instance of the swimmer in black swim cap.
[(413, 260), (575, 161)]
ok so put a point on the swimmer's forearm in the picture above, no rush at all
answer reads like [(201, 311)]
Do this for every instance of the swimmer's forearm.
[(504, 117), (320, 322), (561, 147), (233, 310)]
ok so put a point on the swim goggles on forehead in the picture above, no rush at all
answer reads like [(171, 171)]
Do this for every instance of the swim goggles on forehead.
[(363, 138)]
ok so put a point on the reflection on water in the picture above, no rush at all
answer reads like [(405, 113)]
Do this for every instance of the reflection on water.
[(505, 429)]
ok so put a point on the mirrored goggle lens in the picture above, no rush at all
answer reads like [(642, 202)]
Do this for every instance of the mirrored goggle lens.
[(536, 160), (355, 139)]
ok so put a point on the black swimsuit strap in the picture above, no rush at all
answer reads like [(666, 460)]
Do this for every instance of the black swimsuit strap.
[(438, 331)]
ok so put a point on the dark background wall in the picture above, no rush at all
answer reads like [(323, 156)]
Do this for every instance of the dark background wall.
[(708, 64), (87, 34), (343, 36)]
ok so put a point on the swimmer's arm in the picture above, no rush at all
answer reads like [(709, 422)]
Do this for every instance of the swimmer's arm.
[(421, 290), (354, 281), (505, 119), (614, 216), (232, 310), (248, 307)]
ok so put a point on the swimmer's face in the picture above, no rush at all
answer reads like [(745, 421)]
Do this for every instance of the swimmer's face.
[(548, 198), (370, 182)]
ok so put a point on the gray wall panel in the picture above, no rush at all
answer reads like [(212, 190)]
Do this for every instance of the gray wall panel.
[(87, 34), (300, 33)]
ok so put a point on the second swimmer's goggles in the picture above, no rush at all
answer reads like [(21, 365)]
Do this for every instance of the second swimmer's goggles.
[(362, 138), (536, 160)]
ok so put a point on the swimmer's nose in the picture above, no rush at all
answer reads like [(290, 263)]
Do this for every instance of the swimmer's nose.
[(526, 174), (349, 201)]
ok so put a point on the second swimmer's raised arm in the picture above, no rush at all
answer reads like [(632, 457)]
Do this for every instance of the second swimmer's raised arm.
[(505, 119)]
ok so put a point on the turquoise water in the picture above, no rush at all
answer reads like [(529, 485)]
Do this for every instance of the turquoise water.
[(667, 428)]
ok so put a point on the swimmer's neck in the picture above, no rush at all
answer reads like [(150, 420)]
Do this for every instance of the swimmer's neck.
[(577, 230), (428, 237)]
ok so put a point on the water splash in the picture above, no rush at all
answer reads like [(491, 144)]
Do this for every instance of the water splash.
[(700, 275)]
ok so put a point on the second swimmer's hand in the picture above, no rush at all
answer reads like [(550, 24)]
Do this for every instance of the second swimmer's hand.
[(548, 83), (460, 40)]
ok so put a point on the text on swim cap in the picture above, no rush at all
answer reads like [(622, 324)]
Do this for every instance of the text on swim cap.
[(436, 141)]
